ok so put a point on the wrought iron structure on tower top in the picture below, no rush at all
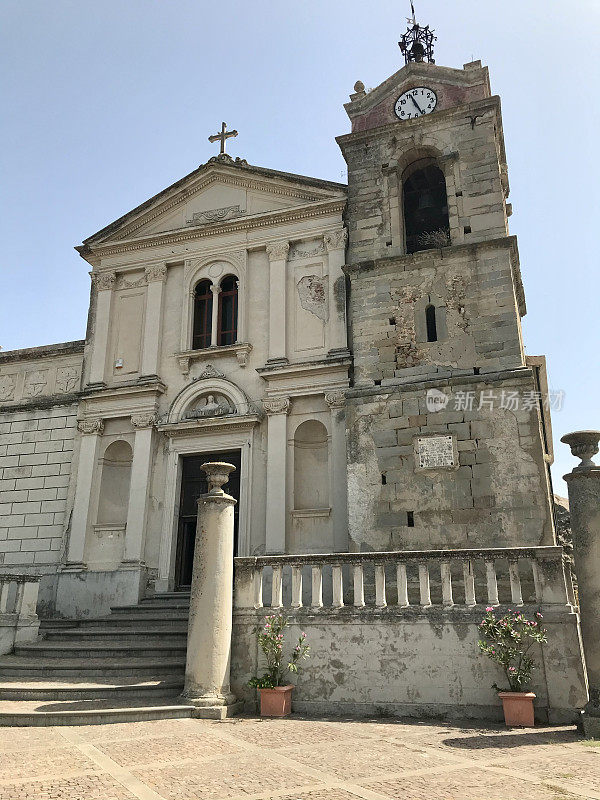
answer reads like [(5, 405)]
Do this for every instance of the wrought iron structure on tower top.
[(417, 42)]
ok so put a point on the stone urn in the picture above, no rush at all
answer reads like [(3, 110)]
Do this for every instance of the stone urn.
[(518, 709), (584, 445), (217, 474), (276, 702)]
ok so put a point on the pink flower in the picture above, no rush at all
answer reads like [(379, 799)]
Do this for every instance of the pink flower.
[(489, 608)]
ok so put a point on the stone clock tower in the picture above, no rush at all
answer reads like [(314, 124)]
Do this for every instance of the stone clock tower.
[(448, 424)]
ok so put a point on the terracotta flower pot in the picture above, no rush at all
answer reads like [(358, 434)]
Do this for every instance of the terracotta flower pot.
[(518, 709), (276, 702)]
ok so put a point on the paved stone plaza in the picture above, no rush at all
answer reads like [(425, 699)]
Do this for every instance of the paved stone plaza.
[(296, 759)]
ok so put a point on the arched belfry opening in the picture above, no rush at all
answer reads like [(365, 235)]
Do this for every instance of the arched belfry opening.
[(425, 205)]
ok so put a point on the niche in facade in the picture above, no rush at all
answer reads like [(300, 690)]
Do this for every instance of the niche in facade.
[(311, 466), (114, 484)]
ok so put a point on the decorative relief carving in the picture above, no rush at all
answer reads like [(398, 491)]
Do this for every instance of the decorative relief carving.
[(212, 405), (210, 372), (91, 426), (278, 251), (300, 250), (277, 405), (35, 383), (67, 379), (143, 420), (336, 240), (313, 294), (156, 272), (103, 280), (215, 215), (124, 283), (7, 387), (335, 399)]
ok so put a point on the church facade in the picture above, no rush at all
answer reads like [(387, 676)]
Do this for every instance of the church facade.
[(355, 351)]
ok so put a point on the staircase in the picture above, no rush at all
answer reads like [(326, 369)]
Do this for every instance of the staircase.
[(128, 666)]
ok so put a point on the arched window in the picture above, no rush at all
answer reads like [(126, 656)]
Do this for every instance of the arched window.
[(425, 208), (228, 311), (203, 303), (431, 323)]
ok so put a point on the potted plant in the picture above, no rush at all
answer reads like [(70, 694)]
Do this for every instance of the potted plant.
[(275, 693), (507, 640)]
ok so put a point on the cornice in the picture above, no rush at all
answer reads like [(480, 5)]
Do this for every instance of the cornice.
[(317, 209), (155, 388), (217, 424)]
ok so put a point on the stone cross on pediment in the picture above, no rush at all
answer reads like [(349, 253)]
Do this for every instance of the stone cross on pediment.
[(222, 136)]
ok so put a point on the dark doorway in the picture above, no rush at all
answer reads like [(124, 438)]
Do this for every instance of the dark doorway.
[(193, 484)]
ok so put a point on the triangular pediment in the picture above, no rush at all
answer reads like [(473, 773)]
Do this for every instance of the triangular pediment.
[(220, 191)]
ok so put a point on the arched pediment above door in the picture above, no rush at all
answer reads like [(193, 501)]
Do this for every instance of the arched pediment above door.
[(209, 397)]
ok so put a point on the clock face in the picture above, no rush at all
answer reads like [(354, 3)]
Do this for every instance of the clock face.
[(415, 103)]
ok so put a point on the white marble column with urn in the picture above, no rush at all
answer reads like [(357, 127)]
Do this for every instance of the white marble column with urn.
[(339, 484), (104, 282), (277, 253), (277, 410), (335, 243), (156, 276), (91, 430)]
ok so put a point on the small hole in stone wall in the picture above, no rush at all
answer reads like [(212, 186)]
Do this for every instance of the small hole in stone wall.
[(383, 479), (467, 229), (388, 244), (410, 519), (459, 194), (475, 370), (377, 382), (392, 320)]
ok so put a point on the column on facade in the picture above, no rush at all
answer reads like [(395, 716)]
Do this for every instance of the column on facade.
[(277, 410), (339, 489), (214, 330), (137, 511), (91, 431), (104, 283), (335, 242), (277, 253), (155, 276)]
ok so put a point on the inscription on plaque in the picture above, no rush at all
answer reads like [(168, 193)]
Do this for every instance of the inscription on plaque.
[(435, 452)]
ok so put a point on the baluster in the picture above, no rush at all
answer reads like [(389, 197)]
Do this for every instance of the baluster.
[(296, 586), (359, 586), (380, 600), (19, 597), (492, 583), (469, 578), (402, 585), (317, 587), (424, 585), (446, 575), (4, 589), (338, 586), (258, 587), (277, 588), (515, 583)]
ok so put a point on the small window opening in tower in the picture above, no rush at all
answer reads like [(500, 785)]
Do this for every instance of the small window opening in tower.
[(410, 519), (425, 203), (431, 323)]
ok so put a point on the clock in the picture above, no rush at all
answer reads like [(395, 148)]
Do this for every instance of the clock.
[(415, 103)]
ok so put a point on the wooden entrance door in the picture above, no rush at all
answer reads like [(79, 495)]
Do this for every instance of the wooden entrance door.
[(193, 484)]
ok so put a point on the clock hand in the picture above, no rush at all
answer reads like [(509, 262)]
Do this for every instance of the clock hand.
[(416, 104)]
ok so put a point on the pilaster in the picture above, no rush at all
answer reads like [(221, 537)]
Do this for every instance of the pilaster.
[(156, 276), (277, 410), (137, 511), (339, 488), (335, 242), (91, 430), (277, 253), (104, 283)]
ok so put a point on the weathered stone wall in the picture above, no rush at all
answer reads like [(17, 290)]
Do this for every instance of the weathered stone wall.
[(496, 495), (421, 664)]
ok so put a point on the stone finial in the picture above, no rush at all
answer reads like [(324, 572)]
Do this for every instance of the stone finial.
[(217, 474), (359, 86), (584, 445)]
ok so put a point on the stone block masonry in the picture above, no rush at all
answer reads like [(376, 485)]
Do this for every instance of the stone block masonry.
[(36, 451)]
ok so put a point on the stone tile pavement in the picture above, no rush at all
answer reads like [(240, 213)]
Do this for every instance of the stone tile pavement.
[(296, 759)]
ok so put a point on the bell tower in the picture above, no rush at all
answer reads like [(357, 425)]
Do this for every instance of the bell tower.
[(448, 427)]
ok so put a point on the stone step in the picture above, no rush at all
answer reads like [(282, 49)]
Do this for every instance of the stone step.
[(32, 667), (171, 634), (119, 691), (29, 713), (166, 596), (107, 649), (150, 608), (159, 620)]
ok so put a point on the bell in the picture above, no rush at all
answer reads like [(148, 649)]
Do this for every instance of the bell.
[(425, 200), (417, 51)]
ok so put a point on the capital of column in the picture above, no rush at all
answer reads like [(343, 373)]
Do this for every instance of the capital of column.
[(156, 272), (216, 290), (103, 280), (335, 240), (336, 399), (143, 420), (278, 251), (277, 405), (91, 426)]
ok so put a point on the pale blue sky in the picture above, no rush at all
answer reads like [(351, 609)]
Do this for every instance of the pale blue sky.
[(107, 102)]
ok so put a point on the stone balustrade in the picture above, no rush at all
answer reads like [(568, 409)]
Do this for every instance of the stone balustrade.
[(18, 618), (405, 580)]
